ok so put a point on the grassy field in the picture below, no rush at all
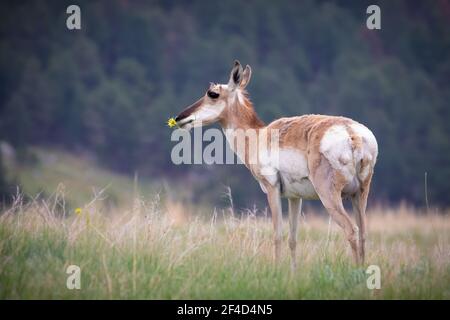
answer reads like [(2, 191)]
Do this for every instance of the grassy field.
[(76, 177), (152, 250)]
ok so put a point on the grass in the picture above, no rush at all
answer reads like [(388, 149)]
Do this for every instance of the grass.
[(75, 177), (151, 250)]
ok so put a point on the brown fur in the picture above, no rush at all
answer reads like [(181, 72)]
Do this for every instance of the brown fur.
[(242, 116)]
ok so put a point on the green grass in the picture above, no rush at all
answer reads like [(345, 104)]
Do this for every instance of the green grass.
[(142, 252), (77, 178)]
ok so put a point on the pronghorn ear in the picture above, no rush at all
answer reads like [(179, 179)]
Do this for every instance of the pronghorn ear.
[(246, 76), (236, 75)]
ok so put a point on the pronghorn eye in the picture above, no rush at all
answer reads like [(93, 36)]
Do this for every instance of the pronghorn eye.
[(212, 94)]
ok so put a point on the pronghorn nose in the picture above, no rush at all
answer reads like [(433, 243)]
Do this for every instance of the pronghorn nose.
[(182, 116), (189, 110)]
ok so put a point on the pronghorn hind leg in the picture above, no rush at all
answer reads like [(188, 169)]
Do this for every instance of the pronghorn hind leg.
[(359, 203), (274, 199), (329, 184), (295, 206)]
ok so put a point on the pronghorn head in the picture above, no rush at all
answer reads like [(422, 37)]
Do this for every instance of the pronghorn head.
[(213, 105)]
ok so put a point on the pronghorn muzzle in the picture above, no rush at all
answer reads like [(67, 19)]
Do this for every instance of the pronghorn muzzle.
[(187, 115)]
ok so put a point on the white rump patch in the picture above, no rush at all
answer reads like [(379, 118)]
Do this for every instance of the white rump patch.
[(369, 148), (336, 147), (370, 144)]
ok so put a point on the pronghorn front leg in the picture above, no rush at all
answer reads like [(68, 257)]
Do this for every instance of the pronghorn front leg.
[(295, 206), (273, 196)]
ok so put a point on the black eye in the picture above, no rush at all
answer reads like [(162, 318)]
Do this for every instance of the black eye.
[(212, 94)]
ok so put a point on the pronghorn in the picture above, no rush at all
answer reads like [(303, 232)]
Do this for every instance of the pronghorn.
[(320, 157)]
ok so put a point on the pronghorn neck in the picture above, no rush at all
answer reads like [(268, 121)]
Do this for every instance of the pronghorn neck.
[(240, 114), (240, 118)]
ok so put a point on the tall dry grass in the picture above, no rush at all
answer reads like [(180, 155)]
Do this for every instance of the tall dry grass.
[(156, 249)]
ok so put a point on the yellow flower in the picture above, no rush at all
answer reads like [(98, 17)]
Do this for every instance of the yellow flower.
[(78, 211), (171, 122)]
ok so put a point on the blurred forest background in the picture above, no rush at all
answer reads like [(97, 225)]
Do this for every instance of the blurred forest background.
[(108, 89)]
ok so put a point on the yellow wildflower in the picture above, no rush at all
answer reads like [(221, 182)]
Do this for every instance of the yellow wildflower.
[(171, 122), (78, 211)]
